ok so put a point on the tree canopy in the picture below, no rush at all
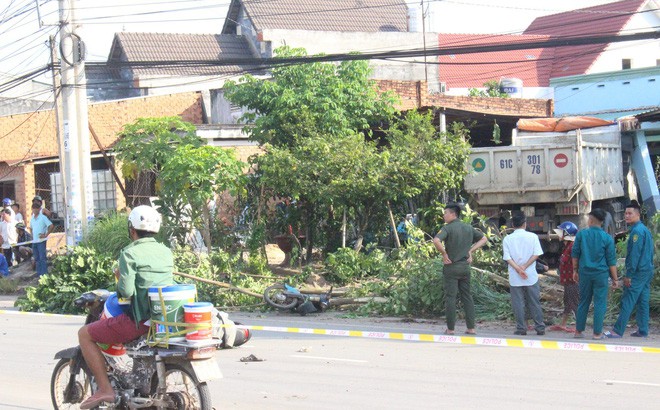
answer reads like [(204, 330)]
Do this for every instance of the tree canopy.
[(333, 142)]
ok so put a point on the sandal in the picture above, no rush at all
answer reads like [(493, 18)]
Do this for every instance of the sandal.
[(599, 337), (638, 334), (448, 332), (578, 335), (612, 335), (473, 333)]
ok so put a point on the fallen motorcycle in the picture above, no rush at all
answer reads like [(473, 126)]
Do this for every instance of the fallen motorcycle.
[(143, 376), (285, 297)]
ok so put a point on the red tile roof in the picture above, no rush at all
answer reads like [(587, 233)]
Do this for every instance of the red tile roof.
[(321, 15), (605, 19), (532, 66)]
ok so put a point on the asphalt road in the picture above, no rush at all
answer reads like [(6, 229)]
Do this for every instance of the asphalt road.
[(326, 372)]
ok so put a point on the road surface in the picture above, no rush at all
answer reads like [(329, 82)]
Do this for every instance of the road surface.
[(326, 372)]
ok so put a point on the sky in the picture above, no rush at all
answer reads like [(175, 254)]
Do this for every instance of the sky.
[(24, 41)]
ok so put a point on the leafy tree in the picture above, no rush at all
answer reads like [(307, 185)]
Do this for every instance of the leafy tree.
[(492, 90), (315, 124), (145, 145), (192, 177), (308, 100), (188, 174)]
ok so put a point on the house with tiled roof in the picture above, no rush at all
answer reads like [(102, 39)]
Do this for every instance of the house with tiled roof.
[(149, 77), (338, 26), (460, 72), (536, 66), (622, 17)]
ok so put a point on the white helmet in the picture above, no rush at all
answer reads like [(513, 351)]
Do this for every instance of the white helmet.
[(144, 218)]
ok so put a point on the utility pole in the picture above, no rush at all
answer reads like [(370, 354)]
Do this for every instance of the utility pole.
[(58, 120), (75, 134)]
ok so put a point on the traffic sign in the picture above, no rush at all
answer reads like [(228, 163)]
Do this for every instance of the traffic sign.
[(560, 160)]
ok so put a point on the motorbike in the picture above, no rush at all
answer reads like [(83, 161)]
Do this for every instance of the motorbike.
[(285, 297), (144, 376)]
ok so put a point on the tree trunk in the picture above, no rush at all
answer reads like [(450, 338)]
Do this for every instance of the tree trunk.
[(397, 242), (309, 234), (343, 230), (206, 224)]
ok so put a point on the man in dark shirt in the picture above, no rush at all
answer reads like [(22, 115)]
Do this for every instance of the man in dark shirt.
[(460, 241)]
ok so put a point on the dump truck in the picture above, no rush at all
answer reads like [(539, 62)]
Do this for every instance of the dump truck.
[(556, 176)]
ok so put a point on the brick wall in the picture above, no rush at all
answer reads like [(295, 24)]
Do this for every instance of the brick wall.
[(33, 135), (414, 94)]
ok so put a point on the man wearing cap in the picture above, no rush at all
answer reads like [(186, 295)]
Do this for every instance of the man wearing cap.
[(566, 232), (639, 273), (6, 204), (22, 252), (38, 201), (594, 257)]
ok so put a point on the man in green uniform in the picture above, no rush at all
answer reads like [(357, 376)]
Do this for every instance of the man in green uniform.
[(460, 241), (142, 264), (639, 273), (593, 257)]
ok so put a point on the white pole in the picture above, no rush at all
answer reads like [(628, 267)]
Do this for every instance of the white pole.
[(72, 122)]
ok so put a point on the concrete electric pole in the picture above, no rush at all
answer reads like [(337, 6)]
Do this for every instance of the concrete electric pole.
[(75, 135)]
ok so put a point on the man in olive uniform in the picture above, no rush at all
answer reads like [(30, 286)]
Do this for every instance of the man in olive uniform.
[(639, 273), (460, 241)]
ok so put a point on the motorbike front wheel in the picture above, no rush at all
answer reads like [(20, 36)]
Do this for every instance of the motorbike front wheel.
[(184, 391), (275, 295), (80, 389)]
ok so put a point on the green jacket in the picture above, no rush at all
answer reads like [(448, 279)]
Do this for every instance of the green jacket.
[(594, 250), (142, 264)]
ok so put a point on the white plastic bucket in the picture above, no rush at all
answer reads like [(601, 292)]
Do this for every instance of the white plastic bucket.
[(198, 317), (174, 297)]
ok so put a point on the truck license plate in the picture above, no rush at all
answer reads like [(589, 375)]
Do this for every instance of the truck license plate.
[(206, 369)]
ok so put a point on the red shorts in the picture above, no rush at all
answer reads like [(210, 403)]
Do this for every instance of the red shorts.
[(118, 329)]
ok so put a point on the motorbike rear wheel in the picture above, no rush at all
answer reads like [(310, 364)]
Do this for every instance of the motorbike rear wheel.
[(83, 386), (275, 295), (185, 391)]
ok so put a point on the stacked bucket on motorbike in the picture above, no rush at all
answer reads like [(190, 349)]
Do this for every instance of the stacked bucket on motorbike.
[(185, 320), (194, 323)]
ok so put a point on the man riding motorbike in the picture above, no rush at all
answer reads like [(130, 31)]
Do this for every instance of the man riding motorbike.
[(142, 264)]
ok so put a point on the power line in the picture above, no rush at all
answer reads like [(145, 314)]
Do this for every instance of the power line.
[(436, 51)]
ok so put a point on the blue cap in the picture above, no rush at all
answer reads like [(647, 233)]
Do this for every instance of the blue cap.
[(6, 201)]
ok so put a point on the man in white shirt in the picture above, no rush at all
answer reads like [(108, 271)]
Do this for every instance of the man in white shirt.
[(9, 235), (521, 249)]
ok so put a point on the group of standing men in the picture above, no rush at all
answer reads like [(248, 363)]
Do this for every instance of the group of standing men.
[(15, 236), (588, 261)]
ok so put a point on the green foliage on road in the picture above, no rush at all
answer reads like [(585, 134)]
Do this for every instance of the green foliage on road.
[(78, 271)]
